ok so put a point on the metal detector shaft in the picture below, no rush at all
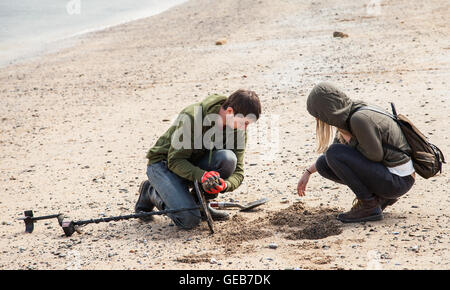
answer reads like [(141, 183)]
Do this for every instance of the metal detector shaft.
[(69, 227), (130, 216)]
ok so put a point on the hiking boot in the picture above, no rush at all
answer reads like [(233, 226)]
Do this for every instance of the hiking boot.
[(156, 199), (386, 202), (144, 203), (216, 215), (362, 211)]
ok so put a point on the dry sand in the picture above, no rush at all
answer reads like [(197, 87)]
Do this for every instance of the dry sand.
[(75, 127)]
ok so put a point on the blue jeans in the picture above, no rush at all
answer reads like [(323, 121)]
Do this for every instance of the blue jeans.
[(174, 190), (367, 179)]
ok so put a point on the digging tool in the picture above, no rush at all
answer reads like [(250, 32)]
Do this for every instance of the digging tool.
[(204, 206), (248, 207), (69, 226)]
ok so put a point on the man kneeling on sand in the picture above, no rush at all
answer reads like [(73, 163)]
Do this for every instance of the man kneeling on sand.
[(205, 143)]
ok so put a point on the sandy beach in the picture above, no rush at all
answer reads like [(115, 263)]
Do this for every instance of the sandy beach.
[(75, 126)]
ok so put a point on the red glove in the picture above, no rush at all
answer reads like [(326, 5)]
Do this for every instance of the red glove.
[(212, 183)]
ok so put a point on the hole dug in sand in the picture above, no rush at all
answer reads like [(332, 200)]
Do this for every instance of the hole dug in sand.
[(301, 222), (297, 221)]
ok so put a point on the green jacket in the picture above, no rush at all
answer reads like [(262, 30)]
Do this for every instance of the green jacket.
[(369, 129), (180, 161)]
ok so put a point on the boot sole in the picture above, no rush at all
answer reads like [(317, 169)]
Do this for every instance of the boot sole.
[(366, 219), (222, 217), (144, 219), (388, 203)]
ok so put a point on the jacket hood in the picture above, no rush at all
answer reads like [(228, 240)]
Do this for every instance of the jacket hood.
[(330, 105), (212, 103)]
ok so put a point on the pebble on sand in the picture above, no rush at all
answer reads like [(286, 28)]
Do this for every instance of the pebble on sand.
[(221, 41), (340, 34)]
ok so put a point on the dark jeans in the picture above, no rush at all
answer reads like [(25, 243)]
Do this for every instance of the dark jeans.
[(367, 179), (174, 190)]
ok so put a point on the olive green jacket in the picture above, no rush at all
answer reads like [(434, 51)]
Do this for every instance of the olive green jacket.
[(181, 161), (369, 129)]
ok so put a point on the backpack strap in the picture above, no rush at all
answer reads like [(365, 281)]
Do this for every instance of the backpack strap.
[(394, 111), (392, 116)]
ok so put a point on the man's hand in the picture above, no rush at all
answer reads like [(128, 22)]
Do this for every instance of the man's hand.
[(212, 183)]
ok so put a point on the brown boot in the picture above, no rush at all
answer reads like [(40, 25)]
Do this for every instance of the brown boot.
[(386, 202), (362, 210)]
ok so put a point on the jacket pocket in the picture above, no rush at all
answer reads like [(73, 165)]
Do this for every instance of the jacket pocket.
[(424, 157)]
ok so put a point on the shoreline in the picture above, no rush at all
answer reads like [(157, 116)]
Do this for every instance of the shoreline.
[(76, 124), (54, 45)]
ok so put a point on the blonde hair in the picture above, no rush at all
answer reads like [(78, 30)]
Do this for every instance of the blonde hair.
[(323, 134)]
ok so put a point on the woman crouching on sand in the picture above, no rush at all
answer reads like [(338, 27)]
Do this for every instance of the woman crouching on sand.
[(357, 158)]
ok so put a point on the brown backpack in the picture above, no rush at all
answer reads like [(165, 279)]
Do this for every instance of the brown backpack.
[(427, 158)]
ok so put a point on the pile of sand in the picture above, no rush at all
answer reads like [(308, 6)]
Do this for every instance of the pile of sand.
[(301, 222), (297, 222)]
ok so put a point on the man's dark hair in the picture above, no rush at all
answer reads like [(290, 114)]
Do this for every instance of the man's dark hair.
[(244, 102)]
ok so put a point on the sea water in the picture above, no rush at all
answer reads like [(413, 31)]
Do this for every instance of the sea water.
[(31, 26)]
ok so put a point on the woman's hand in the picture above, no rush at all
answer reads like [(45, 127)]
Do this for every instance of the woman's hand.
[(345, 135), (301, 187)]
